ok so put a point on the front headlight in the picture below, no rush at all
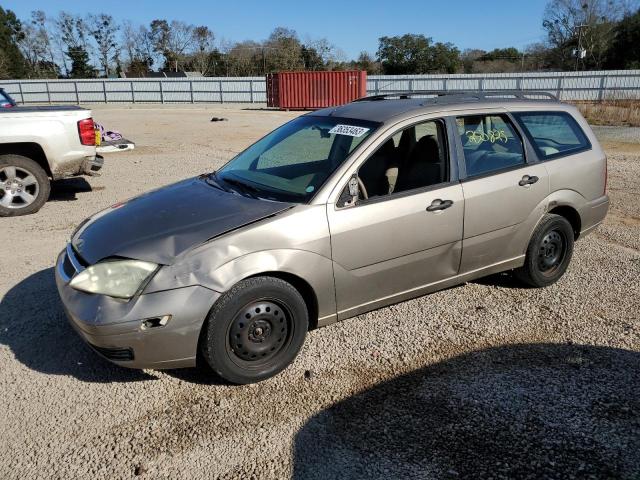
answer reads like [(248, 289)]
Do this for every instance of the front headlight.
[(117, 278)]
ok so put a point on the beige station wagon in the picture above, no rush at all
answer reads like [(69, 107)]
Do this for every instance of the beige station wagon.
[(336, 213)]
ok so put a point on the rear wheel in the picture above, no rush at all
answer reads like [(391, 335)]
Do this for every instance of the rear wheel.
[(255, 330), (549, 252), (24, 186)]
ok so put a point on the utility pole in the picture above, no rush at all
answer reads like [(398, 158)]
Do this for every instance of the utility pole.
[(580, 53)]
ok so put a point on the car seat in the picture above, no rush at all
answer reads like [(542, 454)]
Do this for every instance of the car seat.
[(374, 171), (423, 167)]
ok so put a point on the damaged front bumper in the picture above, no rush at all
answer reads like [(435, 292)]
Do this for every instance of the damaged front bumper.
[(157, 330)]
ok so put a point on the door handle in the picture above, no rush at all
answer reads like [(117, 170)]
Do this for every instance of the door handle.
[(528, 180), (438, 205)]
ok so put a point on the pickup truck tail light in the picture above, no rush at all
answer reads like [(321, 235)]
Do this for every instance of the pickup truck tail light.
[(87, 133)]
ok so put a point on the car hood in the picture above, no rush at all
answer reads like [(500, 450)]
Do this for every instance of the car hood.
[(160, 225)]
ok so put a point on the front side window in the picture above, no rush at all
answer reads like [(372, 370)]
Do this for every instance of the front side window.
[(293, 162), (490, 143), (415, 157), (553, 134)]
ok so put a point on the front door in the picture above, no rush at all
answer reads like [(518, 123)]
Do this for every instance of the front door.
[(407, 234)]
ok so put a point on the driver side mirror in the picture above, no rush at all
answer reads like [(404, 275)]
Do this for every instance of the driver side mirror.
[(353, 186), (351, 193)]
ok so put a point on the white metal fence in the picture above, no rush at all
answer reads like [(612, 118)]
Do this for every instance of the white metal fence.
[(577, 86)]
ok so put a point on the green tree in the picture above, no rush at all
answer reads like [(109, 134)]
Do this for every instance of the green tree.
[(445, 58), (159, 32), (510, 54), (366, 62), (311, 59), (103, 29), (173, 41), (413, 54), (36, 48), (13, 64), (74, 34), (469, 58), (204, 58), (244, 59), (80, 67), (283, 50), (625, 51), (138, 47), (587, 25)]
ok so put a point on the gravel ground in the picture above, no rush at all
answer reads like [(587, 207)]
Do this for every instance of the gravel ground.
[(483, 380)]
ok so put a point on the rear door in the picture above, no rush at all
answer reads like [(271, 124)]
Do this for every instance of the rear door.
[(504, 189)]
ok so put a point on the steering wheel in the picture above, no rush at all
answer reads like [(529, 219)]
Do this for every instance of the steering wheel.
[(362, 190)]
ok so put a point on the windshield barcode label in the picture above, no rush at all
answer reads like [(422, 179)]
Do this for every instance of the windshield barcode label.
[(349, 130)]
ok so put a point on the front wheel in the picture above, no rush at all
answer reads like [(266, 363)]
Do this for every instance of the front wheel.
[(549, 252), (255, 330), (24, 186)]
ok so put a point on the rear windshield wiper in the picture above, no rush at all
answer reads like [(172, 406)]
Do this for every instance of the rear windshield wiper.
[(250, 189)]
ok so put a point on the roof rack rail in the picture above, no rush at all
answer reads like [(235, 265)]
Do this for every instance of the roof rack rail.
[(467, 95)]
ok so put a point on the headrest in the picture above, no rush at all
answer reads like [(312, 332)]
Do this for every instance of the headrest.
[(426, 150), (387, 149)]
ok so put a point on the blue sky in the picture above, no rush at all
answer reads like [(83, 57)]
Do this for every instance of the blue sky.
[(351, 25)]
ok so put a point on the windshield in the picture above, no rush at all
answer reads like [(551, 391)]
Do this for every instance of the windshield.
[(293, 162)]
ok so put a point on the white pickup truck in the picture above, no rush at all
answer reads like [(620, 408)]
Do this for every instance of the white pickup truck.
[(39, 144)]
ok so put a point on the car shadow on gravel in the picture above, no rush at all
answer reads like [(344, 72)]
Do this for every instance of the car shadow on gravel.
[(34, 327), (521, 411), (200, 375), (66, 189)]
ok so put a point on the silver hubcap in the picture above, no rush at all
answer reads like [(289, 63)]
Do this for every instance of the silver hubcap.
[(19, 188)]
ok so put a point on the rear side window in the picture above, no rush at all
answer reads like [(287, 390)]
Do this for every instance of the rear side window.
[(553, 134), (490, 144)]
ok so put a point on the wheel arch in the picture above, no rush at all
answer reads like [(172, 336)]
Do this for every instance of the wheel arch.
[(306, 290), (30, 150), (572, 216), (309, 272)]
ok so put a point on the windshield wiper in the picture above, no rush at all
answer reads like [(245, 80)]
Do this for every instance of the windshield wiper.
[(249, 189), (213, 180)]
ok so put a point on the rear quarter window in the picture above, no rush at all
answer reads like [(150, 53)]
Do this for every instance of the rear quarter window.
[(553, 134)]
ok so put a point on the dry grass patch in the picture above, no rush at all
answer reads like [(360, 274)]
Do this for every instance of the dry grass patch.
[(612, 112)]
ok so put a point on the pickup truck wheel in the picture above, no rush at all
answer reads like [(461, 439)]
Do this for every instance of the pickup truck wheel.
[(255, 330), (549, 252), (24, 186)]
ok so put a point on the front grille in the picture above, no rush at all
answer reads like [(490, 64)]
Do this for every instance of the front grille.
[(117, 354)]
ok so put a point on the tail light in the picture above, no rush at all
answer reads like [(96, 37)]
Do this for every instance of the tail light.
[(87, 133)]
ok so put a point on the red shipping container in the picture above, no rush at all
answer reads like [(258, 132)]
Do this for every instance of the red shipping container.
[(312, 90)]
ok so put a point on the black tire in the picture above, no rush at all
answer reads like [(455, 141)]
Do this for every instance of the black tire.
[(13, 193), (255, 330), (549, 252)]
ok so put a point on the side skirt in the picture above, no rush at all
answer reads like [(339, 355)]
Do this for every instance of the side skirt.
[(423, 290)]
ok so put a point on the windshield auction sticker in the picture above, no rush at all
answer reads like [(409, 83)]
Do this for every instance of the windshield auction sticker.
[(349, 130)]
